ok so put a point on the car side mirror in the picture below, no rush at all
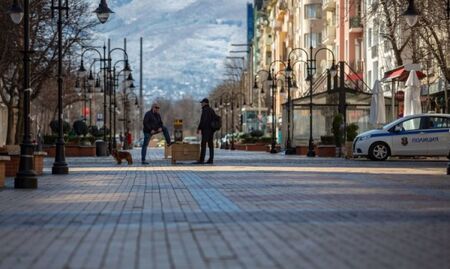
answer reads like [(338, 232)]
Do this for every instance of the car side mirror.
[(397, 129)]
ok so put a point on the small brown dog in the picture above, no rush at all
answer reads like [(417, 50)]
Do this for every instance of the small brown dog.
[(119, 155)]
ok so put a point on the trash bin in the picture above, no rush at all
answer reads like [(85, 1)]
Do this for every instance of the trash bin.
[(100, 148)]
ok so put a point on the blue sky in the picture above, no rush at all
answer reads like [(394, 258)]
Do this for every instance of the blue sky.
[(185, 41)]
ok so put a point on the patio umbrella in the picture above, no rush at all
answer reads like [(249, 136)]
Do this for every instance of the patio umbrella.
[(412, 95), (377, 106)]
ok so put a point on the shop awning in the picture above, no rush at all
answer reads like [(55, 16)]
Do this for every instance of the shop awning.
[(400, 74)]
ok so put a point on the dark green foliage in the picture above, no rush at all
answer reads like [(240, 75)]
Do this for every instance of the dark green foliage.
[(93, 130), (102, 131), (49, 139), (80, 127), (337, 129), (352, 131), (327, 140), (54, 127), (256, 133)]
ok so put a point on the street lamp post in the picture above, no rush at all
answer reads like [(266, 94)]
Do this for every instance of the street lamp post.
[(60, 165), (232, 97), (311, 68), (26, 176)]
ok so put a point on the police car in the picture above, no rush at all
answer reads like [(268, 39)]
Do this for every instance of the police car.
[(414, 135)]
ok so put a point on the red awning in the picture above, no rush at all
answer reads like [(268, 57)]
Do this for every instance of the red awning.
[(401, 74), (355, 76)]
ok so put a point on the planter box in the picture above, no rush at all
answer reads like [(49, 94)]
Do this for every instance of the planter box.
[(348, 150), (240, 146), (326, 151), (71, 151), (3, 161), (257, 147), (12, 166), (303, 150)]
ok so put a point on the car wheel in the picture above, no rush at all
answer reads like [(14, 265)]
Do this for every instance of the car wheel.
[(379, 151)]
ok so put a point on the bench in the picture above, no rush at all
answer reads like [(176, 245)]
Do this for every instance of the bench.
[(3, 161)]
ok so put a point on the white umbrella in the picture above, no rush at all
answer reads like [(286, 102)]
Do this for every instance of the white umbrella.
[(412, 95), (377, 105)]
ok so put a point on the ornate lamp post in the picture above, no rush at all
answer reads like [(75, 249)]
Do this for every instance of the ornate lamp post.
[(311, 68), (26, 176), (60, 165), (232, 98)]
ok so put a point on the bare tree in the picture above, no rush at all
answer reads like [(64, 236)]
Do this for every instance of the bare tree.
[(43, 42)]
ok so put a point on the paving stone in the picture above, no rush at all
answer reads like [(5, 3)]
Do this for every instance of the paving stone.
[(248, 210)]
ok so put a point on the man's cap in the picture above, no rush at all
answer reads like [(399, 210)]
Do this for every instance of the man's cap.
[(205, 100)]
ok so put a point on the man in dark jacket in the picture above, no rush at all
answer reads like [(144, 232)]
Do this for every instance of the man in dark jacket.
[(153, 125), (204, 127)]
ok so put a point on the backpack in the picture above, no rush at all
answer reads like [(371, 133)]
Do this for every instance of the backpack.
[(216, 123)]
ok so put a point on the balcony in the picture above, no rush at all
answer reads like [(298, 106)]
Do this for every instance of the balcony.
[(355, 24), (329, 5)]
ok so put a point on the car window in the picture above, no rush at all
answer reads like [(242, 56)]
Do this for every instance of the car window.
[(411, 124), (438, 122)]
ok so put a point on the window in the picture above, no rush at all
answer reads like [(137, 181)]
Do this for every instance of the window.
[(313, 11), (316, 39), (369, 37), (438, 122), (410, 125)]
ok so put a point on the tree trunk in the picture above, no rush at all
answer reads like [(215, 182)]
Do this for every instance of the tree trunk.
[(19, 124), (10, 128)]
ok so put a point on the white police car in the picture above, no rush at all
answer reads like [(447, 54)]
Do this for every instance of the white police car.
[(415, 135)]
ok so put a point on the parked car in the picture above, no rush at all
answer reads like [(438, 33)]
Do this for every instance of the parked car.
[(415, 135)]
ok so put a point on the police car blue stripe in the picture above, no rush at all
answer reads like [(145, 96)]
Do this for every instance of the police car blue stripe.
[(413, 132)]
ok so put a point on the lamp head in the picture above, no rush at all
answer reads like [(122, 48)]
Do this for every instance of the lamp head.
[(97, 84), (411, 14), (81, 70), (127, 69), (91, 79), (333, 70), (16, 12), (78, 87), (103, 11), (288, 70)]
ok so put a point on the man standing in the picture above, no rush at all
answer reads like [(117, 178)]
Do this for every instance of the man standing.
[(207, 132), (153, 125)]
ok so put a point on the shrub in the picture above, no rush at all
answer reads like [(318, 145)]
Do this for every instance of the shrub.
[(327, 140), (265, 139), (49, 139), (80, 128), (256, 133), (93, 130), (102, 131), (54, 126), (337, 129), (352, 131)]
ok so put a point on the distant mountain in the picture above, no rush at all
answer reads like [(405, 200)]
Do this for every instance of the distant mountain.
[(185, 41)]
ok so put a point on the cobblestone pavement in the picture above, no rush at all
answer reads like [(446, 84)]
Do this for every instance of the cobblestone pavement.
[(248, 210)]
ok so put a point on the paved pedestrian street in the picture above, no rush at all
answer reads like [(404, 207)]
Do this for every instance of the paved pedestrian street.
[(248, 210)]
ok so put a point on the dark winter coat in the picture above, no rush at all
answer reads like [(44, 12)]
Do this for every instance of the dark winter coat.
[(207, 117), (152, 122)]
